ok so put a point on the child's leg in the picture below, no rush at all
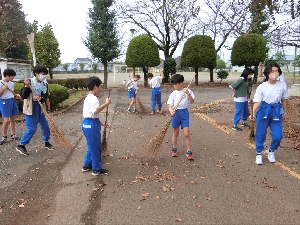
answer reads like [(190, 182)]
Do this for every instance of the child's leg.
[(276, 133), (12, 125), (153, 99), (187, 137), (245, 111), (175, 137), (239, 108), (5, 126), (261, 131), (159, 99), (44, 127)]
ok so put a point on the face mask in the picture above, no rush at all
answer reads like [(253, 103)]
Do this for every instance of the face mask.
[(273, 76), (42, 77)]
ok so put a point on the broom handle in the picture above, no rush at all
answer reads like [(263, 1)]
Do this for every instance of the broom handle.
[(251, 106), (106, 113), (184, 93), (14, 93)]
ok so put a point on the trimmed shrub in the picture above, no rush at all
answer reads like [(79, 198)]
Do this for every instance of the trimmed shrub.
[(222, 74)]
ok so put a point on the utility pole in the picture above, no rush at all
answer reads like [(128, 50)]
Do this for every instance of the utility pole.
[(132, 34)]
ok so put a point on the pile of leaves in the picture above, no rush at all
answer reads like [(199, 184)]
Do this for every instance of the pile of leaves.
[(292, 125)]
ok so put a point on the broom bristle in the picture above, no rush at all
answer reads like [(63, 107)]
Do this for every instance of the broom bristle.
[(154, 146), (142, 107), (104, 144)]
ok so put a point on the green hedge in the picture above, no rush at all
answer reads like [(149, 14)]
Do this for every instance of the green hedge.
[(70, 83), (58, 94)]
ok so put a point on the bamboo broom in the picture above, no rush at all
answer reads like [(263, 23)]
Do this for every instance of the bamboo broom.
[(142, 107), (154, 146), (104, 142)]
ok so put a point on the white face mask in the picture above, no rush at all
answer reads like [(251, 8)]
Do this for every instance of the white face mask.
[(42, 77), (273, 76)]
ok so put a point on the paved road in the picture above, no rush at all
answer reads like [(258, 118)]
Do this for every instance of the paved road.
[(221, 186)]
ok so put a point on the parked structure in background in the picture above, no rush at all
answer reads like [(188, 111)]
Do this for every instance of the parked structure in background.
[(17, 65)]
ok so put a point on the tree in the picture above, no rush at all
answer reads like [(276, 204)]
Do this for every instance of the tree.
[(199, 51), (19, 52), (142, 52), (167, 22), (248, 50), (95, 67), (81, 66), (296, 61), (220, 64), (102, 40), (46, 48), (280, 58), (66, 67), (169, 67), (13, 26)]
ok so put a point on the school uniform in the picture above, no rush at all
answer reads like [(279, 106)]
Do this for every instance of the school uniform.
[(132, 86), (91, 128), (240, 99), (269, 113), (181, 116), (33, 113), (8, 103), (156, 92)]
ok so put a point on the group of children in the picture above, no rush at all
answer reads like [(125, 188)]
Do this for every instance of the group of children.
[(270, 109)]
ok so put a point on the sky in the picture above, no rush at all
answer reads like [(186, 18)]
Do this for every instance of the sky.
[(69, 21)]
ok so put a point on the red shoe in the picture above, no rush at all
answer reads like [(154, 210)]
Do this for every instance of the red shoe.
[(160, 111), (174, 152), (189, 155)]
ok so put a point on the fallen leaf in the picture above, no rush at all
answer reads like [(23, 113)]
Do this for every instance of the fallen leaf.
[(177, 218), (198, 205), (145, 195)]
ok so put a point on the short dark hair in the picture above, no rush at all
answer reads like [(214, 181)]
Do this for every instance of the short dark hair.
[(149, 75), (177, 78), (268, 69), (40, 69), (137, 76), (246, 72), (9, 73), (92, 82)]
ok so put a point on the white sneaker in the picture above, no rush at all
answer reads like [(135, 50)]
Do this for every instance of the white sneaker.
[(258, 160), (271, 156)]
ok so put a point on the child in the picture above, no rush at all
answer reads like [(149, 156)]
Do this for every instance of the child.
[(270, 109), (8, 105), (91, 127), (180, 114), (239, 89), (132, 91), (32, 110), (154, 83)]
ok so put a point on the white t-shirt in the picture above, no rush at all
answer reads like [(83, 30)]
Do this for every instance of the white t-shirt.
[(132, 84), (175, 96), (7, 94), (281, 78), (155, 82), (90, 105), (271, 93)]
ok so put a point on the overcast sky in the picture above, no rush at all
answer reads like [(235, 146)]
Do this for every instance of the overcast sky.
[(68, 19)]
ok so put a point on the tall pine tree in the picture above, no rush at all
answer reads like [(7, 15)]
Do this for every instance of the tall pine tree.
[(102, 40)]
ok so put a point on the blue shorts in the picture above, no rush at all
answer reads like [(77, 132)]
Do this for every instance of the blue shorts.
[(9, 107), (181, 118), (131, 93)]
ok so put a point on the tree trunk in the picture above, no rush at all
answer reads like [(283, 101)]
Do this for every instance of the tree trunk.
[(145, 70), (196, 76), (51, 73), (255, 74), (105, 75), (211, 75)]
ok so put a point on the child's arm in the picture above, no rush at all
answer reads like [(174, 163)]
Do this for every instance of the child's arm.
[(260, 74), (130, 81), (255, 107), (171, 110), (101, 107), (284, 106), (4, 87), (191, 100)]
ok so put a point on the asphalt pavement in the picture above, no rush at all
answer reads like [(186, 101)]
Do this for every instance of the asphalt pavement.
[(222, 185)]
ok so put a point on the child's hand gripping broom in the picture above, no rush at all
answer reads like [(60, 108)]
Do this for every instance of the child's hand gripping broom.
[(153, 148), (252, 134), (104, 142)]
